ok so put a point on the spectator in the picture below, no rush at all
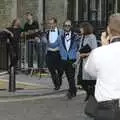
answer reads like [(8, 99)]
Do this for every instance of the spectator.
[(87, 44), (16, 30), (31, 29)]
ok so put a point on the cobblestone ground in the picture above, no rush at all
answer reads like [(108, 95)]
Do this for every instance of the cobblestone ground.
[(45, 109)]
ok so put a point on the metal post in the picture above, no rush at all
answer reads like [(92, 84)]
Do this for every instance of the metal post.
[(12, 81), (76, 11), (116, 6), (107, 11), (89, 10), (11, 71)]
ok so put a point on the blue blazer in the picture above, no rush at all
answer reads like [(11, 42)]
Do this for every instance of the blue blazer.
[(71, 53)]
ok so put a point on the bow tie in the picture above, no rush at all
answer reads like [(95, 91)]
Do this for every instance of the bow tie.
[(66, 34), (52, 30)]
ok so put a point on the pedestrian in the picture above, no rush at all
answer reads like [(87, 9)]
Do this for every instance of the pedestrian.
[(88, 42), (68, 46), (103, 64), (53, 60)]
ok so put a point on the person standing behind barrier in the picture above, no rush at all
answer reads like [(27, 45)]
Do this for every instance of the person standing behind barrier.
[(16, 30), (87, 44), (53, 60), (68, 45), (103, 64), (31, 29)]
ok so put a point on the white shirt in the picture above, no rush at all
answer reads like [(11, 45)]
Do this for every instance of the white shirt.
[(68, 41), (53, 36), (104, 64)]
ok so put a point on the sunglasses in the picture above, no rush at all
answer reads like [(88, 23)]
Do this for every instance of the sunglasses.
[(67, 25)]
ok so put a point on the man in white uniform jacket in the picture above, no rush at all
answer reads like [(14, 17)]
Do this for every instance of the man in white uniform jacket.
[(104, 64)]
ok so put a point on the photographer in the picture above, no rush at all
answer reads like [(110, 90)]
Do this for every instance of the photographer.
[(103, 64)]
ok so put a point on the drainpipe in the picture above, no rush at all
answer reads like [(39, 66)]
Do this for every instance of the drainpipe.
[(44, 20)]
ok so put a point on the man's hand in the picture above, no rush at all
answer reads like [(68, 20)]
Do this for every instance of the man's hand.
[(37, 39), (104, 38)]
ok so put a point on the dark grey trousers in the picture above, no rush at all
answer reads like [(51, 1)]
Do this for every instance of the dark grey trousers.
[(108, 110)]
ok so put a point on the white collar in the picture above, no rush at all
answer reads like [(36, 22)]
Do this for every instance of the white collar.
[(68, 37), (56, 29)]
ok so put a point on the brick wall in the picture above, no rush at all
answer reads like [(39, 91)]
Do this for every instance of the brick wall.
[(56, 8), (24, 6), (9, 9), (7, 12)]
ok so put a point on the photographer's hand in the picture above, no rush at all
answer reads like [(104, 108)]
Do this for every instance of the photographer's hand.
[(104, 38)]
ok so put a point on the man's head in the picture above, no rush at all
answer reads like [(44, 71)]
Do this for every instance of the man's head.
[(28, 16), (113, 27), (67, 25), (52, 23)]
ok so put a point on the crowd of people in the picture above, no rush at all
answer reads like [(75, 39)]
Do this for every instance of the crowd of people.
[(65, 49)]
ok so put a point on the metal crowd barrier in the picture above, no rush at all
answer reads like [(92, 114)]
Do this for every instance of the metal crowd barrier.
[(24, 56), (3, 56)]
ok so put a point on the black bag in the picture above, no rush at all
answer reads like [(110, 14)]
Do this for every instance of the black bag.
[(91, 106), (85, 49)]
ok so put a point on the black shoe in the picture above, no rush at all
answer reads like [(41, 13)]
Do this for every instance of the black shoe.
[(57, 88), (74, 94), (69, 95), (87, 97)]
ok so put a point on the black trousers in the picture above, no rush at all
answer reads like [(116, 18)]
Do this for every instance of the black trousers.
[(108, 110), (89, 86), (53, 62), (70, 74), (13, 52), (79, 77)]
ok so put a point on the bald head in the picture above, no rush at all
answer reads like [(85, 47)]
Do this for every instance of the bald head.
[(114, 24)]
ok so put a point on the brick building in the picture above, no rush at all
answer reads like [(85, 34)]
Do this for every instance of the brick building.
[(95, 11), (77, 10), (41, 9)]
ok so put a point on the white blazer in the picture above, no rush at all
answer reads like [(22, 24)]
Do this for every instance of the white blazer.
[(104, 64)]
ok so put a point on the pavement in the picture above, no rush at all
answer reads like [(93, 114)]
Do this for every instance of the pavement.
[(40, 86), (40, 104), (44, 109)]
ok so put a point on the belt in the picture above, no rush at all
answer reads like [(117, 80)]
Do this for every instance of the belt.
[(109, 102), (53, 49)]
